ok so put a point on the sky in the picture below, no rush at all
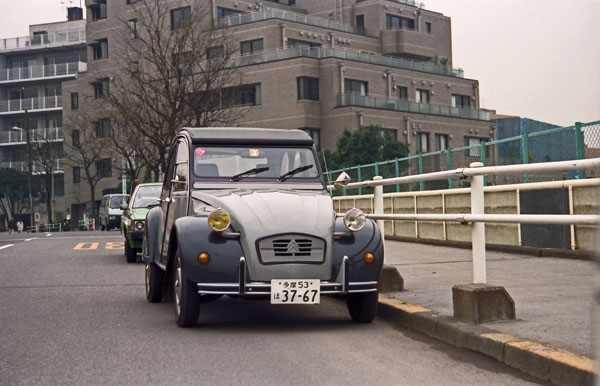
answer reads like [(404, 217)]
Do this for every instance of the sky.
[(538, 59)]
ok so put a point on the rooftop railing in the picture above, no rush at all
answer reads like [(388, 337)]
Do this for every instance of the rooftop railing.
[(36, 135), (54, 38), (245, 18), (37, 167), (396, 104), (41, 72), (20, 105)]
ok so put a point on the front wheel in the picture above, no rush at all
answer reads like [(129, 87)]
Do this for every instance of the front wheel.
[(363, 306), (130, 253), (187, 300), (154, 277)]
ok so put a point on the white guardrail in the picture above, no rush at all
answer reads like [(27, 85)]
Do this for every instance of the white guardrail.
[(475, 173)]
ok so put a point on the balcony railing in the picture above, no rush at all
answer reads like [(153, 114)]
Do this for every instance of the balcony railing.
[(342, 53), (37, 167), (395, 104), (36, 135), (19, 105), (54, 38), (40, 72), (245, 18)]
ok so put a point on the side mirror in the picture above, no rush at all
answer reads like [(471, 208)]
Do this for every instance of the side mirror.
[(342, 180), (124, 207)]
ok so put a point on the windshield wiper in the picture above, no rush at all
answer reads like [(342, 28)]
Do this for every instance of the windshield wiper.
[(248, 173), (294, 171)]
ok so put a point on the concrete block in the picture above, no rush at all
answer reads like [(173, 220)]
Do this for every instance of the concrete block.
[(478, 303), (391, 280), (521, 356)]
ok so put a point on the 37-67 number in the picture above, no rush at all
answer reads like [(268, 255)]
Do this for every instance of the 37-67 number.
[(307, 296)]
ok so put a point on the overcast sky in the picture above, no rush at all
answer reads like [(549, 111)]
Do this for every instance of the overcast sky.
[(538, 59)]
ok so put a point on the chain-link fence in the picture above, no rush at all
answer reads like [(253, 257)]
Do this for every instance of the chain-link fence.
[(579, 141)]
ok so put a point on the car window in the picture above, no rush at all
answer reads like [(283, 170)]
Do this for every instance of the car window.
[(145, 196), (166, 187), (181, 170), (116, 201)]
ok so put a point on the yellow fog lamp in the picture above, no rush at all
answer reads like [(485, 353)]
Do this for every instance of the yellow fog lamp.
[(369, 258), (218, 220), (203, 258)]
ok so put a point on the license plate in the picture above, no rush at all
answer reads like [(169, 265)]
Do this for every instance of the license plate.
[(286, 291)]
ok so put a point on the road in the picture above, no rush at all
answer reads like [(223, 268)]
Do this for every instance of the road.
[(72, 311)]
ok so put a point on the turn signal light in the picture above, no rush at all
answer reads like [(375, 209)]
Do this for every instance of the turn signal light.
[(369, 258), (203, 258)]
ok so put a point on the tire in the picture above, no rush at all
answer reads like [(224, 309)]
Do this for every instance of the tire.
[(187, 300), (154, 279), (130, 253), (362, 306)]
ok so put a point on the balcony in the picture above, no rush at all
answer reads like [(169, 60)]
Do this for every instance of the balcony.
[(18, 106), (407, 42), (394, 104), (13, 137), (51, 39), (58, 166), (245, 18), (36, 73)]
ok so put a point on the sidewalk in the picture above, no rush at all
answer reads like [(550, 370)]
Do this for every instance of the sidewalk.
[(554, 297)]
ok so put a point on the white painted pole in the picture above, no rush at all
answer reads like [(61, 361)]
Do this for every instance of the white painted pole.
[(478, 230), (378, 203)]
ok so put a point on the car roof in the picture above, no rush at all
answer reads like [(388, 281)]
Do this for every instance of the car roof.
[(248, 135)]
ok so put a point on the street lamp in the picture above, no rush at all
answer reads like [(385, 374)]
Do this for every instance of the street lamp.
[(28, 166)]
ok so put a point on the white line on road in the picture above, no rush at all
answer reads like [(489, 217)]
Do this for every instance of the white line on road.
[(48, 234), (33, 238), (6, 246)]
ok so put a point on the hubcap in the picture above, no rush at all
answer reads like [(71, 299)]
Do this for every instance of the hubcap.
[(177, 287), (147, 277)]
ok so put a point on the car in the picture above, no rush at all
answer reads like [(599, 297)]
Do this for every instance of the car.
[(245, 212), (133, 220), (110, 210)]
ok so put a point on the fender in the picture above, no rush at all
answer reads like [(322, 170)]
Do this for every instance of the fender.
[(355, 246), (153, 236)]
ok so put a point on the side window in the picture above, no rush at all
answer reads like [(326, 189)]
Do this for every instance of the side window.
[(181, 169), (166, 188)]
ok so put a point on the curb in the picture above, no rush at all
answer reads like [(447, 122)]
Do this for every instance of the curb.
[(547, 363)]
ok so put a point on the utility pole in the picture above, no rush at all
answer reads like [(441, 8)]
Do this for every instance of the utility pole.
[(29, 169)]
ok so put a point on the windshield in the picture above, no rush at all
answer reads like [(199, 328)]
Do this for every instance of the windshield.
[(116, 201), (146, 196), (254, 163)]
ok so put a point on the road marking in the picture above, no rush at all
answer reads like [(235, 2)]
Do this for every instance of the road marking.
[(33, 238), (87, 246), (115, 245), (6, 246), (48, 234)]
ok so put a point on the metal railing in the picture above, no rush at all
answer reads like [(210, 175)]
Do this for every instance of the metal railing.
[(36, 135), (87, 225), (41, 72), (396, 104), (40, 103), (37, 167), (245, 18), (475, 173), (66, 37)]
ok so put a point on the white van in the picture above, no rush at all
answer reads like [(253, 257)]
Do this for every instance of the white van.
[(110, 210)]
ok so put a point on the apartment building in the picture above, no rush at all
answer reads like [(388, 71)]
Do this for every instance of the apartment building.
[(32, 70), (319, 65)]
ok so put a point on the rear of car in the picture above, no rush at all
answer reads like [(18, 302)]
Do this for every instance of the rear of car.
[(110, 210)]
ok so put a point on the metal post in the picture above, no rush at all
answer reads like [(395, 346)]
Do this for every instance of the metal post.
[(29, 168), (421, 183), (580, 148), (478, 230), (378, 206), (397, 167), (525, 146), (483, 155), (359, 178), (449, 161)]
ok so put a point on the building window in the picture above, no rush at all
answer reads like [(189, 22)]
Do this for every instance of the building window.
[(356, 86), (215, 52), (102, 127), (315, 134), (398, 22), (422, 142), (402, 92), (308, 88), (100, 88), (251, 46), (461, 101), (422, 96), (132, 1), (76, 175), (223, 13), (246, 95), (428, 27), (181, 62), (441, 142), (302, 43), (75, 138), (98, 10), (133, 28), (181, 17), (474, 146), (360, 21), (104, 168), (100, 49), (74, 101)]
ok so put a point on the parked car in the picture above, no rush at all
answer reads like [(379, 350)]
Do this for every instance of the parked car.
[(110, 210), (133, 220), (246, 213)]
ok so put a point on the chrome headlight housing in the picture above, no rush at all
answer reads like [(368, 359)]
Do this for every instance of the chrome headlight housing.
[(139, 225), (219, 220), (355, 219)]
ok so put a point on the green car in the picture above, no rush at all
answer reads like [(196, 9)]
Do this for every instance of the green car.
[(133, 220)]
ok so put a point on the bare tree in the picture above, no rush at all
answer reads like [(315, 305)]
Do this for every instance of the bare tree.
[(44, 154), (174, 70)]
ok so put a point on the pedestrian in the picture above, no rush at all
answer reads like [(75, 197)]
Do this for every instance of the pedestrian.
[(11, 225), (20, 226)]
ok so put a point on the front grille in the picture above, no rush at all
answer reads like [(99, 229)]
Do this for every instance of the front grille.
[(291, 249)]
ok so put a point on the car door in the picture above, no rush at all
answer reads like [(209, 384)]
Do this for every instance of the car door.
[(165, 199), (178, 199)]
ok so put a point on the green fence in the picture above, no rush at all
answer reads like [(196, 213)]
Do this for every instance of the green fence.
[(579, 141)]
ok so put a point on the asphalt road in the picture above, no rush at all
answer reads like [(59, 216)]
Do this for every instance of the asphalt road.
[(72, 311)]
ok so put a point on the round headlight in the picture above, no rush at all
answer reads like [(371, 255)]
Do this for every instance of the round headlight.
[(139, 225), (218, 220), (355, 219)]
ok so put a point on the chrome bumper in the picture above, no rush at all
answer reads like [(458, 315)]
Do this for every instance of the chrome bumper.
[(249, 288)]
